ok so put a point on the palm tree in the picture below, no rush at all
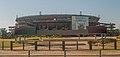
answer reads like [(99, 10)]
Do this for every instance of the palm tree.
[(3, 32), (111, 31)]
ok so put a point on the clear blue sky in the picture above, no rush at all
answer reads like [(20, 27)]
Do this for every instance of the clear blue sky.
[(109, 10)]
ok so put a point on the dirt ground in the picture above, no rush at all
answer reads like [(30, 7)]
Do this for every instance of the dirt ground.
[(56, 49), (83, 53)]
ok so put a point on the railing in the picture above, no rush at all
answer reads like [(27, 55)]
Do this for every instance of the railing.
[(63, 51), (83, 53), (62, 45)]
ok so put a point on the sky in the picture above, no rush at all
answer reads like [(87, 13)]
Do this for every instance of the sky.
[(109, 10)]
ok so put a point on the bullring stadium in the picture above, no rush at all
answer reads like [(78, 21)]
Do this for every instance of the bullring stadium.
[(62, 24)]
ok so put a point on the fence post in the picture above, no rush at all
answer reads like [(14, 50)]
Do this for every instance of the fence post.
[(103, 44), (11, 45), (49, 45), (20, 39), (23, 45), (79, 36), (35, 45), (77, 44), (102, 41), (63, 45), (2, 45), (115, 44), (15, 39), (64, 53), (90, 45), (29, 53), (100, 55)]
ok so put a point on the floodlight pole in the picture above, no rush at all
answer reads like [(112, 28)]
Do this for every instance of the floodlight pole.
[(55, 24)]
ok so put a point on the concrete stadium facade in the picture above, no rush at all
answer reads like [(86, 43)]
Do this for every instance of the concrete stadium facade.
[(58, 24)]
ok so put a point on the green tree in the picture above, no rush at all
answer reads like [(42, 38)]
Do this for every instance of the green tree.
[(111, 31), (3, 32), (81, 26)]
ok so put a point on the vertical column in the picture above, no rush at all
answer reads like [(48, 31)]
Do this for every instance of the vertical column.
[(63, 45), (35, 45), (11, 45)]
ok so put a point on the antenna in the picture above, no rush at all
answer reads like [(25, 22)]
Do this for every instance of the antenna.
[(80, 12), (40, 13)]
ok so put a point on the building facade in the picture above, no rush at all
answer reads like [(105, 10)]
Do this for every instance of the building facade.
[(44, 24)]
